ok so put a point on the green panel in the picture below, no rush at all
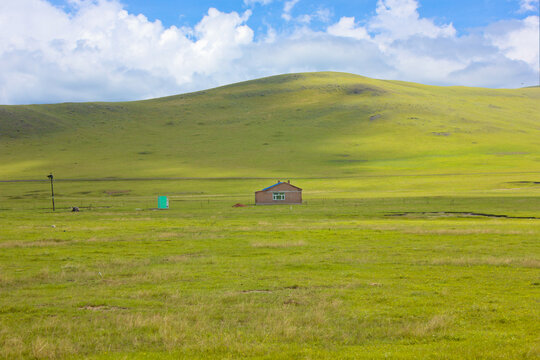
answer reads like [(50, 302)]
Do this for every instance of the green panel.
[(163, 202)]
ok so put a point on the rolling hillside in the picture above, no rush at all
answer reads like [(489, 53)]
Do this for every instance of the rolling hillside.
[(298, 125)]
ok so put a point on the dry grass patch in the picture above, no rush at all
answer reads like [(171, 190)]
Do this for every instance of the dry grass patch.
[(435, 324), (12, 348), (278, 245), (186, 235), (123, 263), (102, 308), (128, 218), (156, 276), (493, 261), (263, 225), (170, 235), (43, 348), (534, 351), (89, 228), (5, 279), (181, 258), (420, 231), (107, 239), (169, 331), (449, 231), (31, 244), (256, 291)]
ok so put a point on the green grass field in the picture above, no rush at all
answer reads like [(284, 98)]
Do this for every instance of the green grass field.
[(369, 273), (418, 237), (300, 125)]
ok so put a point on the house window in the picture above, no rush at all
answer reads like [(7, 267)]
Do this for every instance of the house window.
[(278, 196)]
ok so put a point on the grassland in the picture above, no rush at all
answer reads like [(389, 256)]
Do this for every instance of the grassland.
[(418, 237), (299, 125), (391, 274)]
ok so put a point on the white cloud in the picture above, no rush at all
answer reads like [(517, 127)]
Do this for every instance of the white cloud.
[(219, 36), (287, 9), (314, 51), (419, 50), (399, 19), (304, 19), (528, 5), (99, 51), (253, 2), (271, 35), (346, 27), (517, 39), (322, 14), (493, 73), (394, 20), (103, 52)]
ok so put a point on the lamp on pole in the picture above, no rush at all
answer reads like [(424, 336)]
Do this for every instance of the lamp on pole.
[(50, 176)]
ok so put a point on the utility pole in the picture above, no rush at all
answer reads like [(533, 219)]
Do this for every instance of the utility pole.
[(50, 176)]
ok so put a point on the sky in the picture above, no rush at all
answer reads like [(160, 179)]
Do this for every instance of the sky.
[(115, 50)]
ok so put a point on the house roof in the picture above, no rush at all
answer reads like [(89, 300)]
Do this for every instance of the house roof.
[(278, 183)]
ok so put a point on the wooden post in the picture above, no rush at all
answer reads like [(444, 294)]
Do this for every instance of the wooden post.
[(50, 176)]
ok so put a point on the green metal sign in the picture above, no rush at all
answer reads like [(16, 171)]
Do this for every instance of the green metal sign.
[(163, 202)]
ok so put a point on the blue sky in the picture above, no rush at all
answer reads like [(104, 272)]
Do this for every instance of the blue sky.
[(83, 50), (464, 14)]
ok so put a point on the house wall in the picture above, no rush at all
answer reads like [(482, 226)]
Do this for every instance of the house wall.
[(292, 195), (266, 197)]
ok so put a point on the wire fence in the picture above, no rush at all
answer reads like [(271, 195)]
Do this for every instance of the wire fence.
[(150, 202)]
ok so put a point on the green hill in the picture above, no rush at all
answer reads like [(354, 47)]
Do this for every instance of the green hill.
[(298, 125)]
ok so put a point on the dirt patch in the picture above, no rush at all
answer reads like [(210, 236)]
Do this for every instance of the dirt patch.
[(292, 287), (525, 182), (102, 308), (32, 244), (291, 302), (278, 245), (492, 261), (256, 291), (457, 214), (375, 117)]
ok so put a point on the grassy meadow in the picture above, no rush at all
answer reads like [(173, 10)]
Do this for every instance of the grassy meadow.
[(298, 125), (418, 237), (364, 274)]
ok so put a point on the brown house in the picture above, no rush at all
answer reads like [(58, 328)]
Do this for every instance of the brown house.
[(279, 193)]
